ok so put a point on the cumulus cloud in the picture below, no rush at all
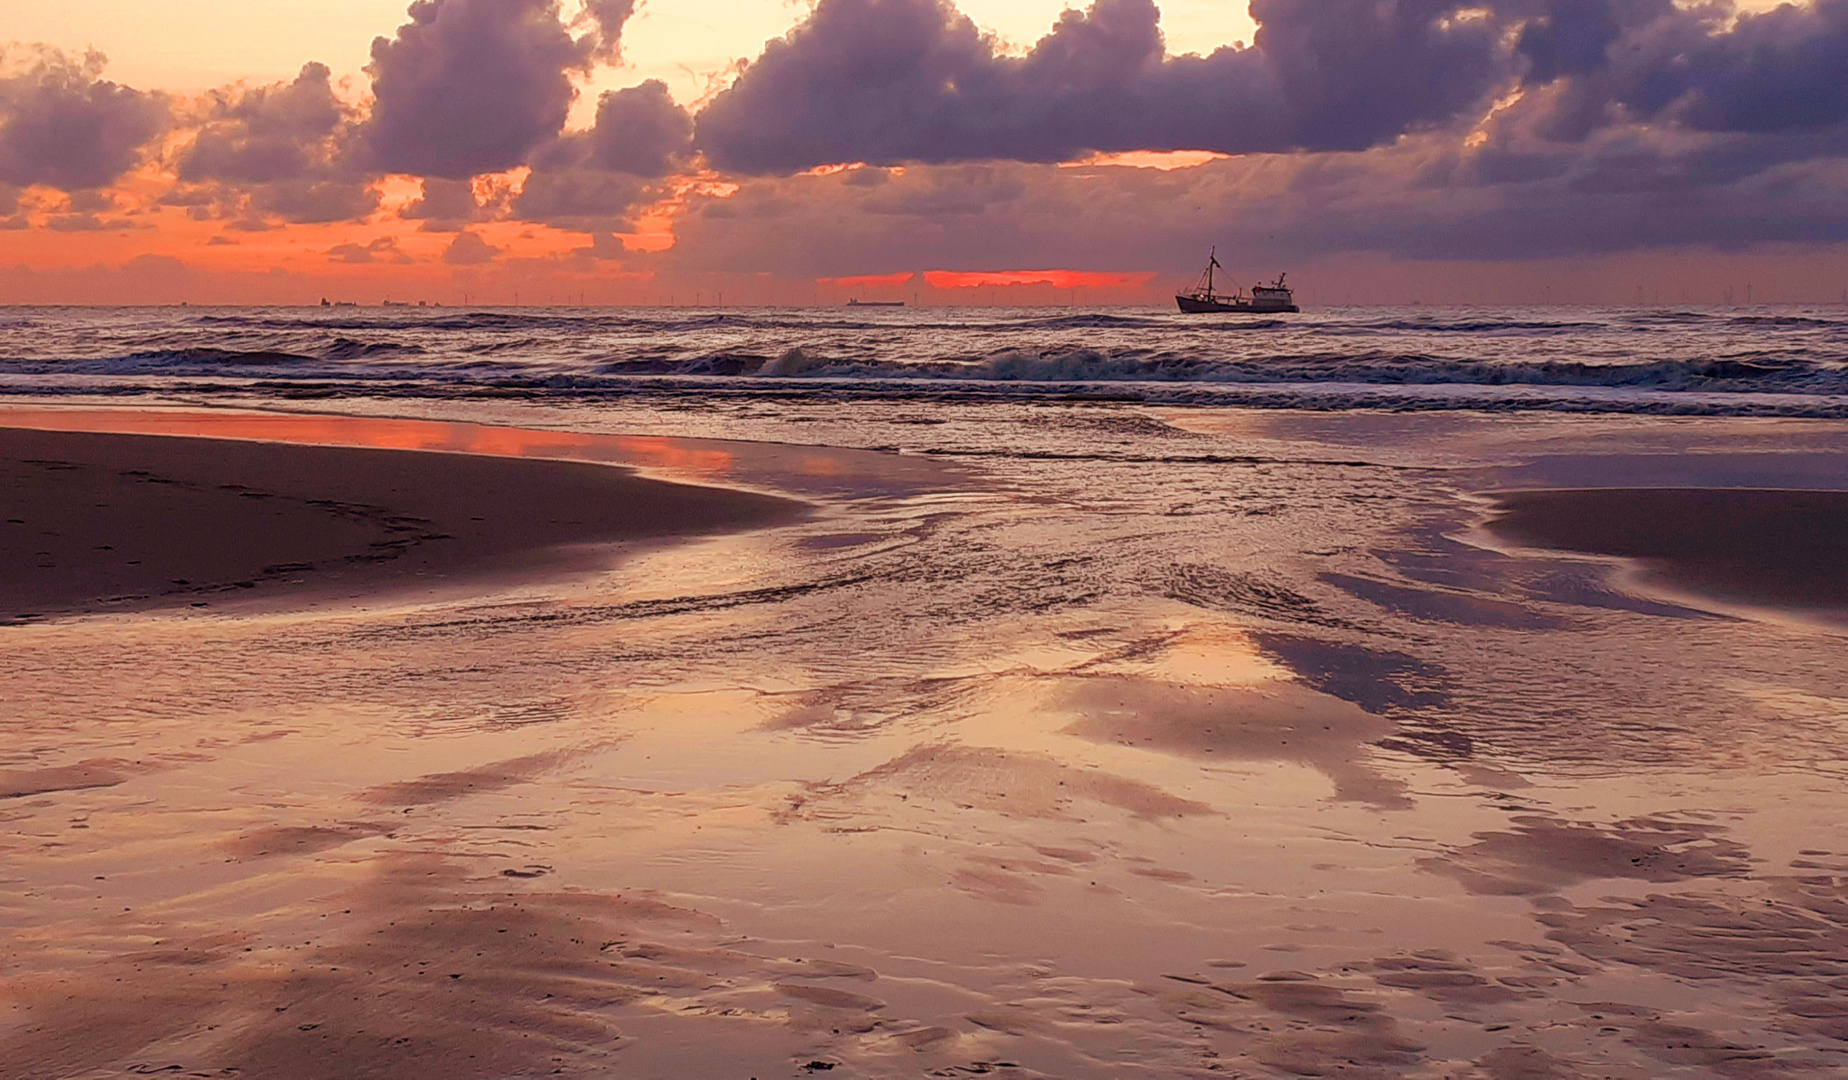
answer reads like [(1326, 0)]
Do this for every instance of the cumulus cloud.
[(581, 199), (473, 86), (453, 205), (604, 247), (88, 211), (1490, 129), (606, 19), (640, 131), (86, 222), (904, 81), (1700, 67), (63, 125), (1780, 70), (469, 249), (266, 134), (590, 181), (316, 201), (1505, 129), (384, 249), (275, 151), (443, 201), (895, 81), (1572, 37), (1355, 73)]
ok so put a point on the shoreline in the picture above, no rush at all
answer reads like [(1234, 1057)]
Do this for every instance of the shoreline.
[(106, 522)]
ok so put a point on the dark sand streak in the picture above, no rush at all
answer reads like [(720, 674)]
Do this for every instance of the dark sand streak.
[(106, 522)]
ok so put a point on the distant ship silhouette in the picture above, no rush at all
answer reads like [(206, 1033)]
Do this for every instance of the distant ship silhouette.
[(1273, 299)]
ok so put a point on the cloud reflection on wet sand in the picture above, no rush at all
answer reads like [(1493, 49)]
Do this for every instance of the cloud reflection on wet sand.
[(1008, 785)]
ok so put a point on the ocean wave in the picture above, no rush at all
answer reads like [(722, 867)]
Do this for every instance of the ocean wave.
[(1780, 371), (1793, 321), (677, 391), (1091, 320), (1766, 373), (1489, 326), (209, 357), (349, 349), (1609, 359)]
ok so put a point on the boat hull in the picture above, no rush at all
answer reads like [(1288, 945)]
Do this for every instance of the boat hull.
[(1193, 305)]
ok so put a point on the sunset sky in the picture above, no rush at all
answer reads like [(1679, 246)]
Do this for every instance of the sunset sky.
[(640, 151)]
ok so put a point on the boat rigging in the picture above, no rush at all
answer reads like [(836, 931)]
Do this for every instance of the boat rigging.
[(1272, 299)]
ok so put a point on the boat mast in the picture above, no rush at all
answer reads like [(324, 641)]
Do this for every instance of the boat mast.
[(1212, 260)]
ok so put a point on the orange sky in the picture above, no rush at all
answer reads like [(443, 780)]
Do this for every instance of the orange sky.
[(124, 246)]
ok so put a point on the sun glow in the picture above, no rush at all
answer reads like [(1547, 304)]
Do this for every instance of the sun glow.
[(1164, 160), (1058, 279)]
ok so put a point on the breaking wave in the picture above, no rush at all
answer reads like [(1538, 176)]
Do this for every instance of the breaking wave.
[(1742, 361)]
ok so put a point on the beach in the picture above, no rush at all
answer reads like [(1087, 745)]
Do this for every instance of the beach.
[(1077, 738), (615, 540), (108, 521)]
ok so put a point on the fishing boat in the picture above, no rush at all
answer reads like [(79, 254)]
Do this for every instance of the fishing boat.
[(875, 303), (1272, 299)]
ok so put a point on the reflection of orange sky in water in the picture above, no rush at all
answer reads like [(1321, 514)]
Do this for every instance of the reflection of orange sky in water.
[(658, 452)]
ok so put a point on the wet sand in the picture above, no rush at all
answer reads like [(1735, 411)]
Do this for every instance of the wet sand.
[(1079, 767), (112, 522), (1774, 548)]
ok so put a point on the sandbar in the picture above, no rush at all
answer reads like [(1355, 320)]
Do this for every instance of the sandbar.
[(1755, 546), (93, 522)]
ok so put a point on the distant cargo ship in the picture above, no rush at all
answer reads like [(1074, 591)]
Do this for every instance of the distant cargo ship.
[(875, 303), (1273, 299)]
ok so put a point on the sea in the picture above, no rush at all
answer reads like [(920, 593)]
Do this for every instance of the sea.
[(1719, 361)]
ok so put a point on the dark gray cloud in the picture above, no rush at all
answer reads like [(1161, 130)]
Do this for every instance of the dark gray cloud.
[(471, 86), (605, 19), (894, 81), (1699, 67), (1427, 197), (1355, 73), (444, 200), (453, 205), (469, 249), (266, 134), (1638, 124), (640, 131), (311, 201), (1777, 71), (275, 151), (1572, 37), (466, 87), (581, 199), (384, 249), (62, 125), (88, 222), (278, 152), (604, 247), (589, 181)]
